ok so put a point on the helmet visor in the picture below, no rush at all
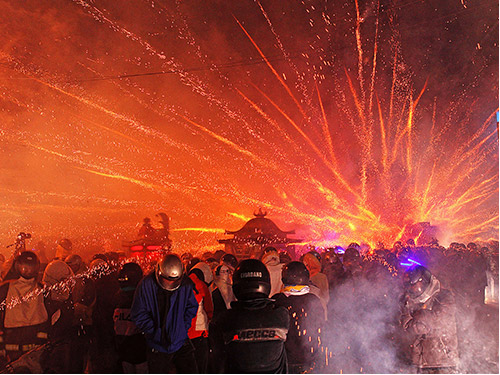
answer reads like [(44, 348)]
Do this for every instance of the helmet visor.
[(168, 282)]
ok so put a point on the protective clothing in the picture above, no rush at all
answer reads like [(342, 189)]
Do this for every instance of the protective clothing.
[(64, 248), (164, 333), (251, 280), (169, 272), (429, 318), (129, 276), (271, 259), (27, 265), (295, 273), (250, 336)]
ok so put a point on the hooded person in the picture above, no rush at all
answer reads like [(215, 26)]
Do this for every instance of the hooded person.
[(130, 342), (202, 277), (428, 318), (102, 354), (306, 315), (64, 249), (23, 325), (271, 259), (57, 277), (313, 264), (222, 296), (84, 299)]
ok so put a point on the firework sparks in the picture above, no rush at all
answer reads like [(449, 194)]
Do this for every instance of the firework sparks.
[(330, 127)]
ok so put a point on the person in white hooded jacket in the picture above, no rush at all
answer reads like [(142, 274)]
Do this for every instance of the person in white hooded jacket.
[(271, 259)]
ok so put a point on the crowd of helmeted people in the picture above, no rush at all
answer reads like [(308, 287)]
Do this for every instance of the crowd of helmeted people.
[(214, 313)]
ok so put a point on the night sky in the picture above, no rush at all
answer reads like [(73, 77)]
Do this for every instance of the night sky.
[(343, 120)]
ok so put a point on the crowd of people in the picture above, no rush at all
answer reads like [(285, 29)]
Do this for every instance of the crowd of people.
[(214, 313)]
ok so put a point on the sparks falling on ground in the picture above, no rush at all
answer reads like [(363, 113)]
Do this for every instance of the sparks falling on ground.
[(347, 121)]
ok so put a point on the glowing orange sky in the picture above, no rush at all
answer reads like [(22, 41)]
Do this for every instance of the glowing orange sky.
[(344, 121)]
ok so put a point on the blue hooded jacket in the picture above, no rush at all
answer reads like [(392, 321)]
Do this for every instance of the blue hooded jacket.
[(146, 315)]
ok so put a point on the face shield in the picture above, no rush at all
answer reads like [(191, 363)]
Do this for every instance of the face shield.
[(168, 282), (169, 272)]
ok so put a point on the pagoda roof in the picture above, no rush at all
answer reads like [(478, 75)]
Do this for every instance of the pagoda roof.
[(260, 226)]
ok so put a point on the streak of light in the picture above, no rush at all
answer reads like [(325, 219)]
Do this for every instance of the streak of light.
[(283, 83), (239, 216), (313, 146), (202, 230), (326, 128)]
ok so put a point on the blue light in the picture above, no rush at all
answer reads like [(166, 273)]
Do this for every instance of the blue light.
[(414, 261), (406, 264)]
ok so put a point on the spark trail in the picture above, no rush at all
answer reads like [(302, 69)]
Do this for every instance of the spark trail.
[(317, 111)]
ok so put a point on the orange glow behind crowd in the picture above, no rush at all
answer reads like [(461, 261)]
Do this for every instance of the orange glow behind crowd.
[(112, 112)]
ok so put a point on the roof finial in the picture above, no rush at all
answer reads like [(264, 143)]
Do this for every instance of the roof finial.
[(260, 213)]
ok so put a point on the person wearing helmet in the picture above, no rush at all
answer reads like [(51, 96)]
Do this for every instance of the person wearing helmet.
[(102, 353), (58, 276), (163, 308), (219, 254), (312, 261), (84, 299), (306, 315), (229, 260), (24, 326), (202, 277), (271, 259), (130, 343), (352, 263), (64, 249), (251, 335), (285, 257), (428, 317), (333, 269)]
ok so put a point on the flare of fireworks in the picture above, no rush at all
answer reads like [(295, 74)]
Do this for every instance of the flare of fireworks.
[(345, 149)]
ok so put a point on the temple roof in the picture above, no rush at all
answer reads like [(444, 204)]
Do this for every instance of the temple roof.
[(259, 227)]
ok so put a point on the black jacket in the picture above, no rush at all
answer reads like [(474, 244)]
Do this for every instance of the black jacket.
[(252, 335), (303, 342)]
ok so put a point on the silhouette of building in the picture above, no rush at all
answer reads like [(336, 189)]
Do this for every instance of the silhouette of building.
[(256, 235)]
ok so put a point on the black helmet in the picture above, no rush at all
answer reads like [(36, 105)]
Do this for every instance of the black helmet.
[(169, 272), (192, 262), (129, 276), (284, 256), (295, 273), (251, 280), (354, 245), (316, 254), (66, 244), (331, 257), (74, 261), (219, 254), (27, 264), (416, 280), (351, 255), (230, 261)]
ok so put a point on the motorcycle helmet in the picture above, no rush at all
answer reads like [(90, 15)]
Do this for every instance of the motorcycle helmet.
[(169, 272), (129, 276), (295, 273), (251, 280), (74, 261), (27, 264), (230, 261), (416, 280)]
